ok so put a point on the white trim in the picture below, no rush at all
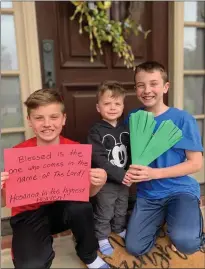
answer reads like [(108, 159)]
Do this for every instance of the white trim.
[(194, 72), (32, 48), (176, 54), (10, 73), (196, 24), (7, 11), (199, 117), (5, 212), (28, 53), (12, 130)]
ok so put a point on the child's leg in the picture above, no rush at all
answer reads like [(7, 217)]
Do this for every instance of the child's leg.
[(103, 214), (145, 221), (118, 223), (32, 241), (78, 216), (185, 222)]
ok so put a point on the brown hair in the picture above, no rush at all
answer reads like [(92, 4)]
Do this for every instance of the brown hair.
[(43, 97), (114, 86), (151, 66)]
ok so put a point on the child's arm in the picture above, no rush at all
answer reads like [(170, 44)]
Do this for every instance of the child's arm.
[(4, 177), (98, 178), (192, 165)]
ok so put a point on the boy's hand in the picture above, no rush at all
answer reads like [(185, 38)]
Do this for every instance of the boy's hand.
[(98, 176), (4, 177), (127, 180), (140, 173)]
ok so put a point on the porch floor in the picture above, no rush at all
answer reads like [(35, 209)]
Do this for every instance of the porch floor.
[(66, 256)]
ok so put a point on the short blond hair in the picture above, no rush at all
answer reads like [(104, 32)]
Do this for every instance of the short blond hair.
[(114, 86), (44, 97)]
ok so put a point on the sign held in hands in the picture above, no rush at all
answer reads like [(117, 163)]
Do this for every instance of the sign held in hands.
[(51, 173)]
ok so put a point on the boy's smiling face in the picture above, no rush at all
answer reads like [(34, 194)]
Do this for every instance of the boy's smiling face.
[(47, 123), (150, 88), (110, 107)]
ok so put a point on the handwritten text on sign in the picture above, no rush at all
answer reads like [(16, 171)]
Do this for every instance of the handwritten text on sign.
[(42, 174)]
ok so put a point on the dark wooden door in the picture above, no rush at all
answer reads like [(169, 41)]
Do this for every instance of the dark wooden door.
[(77, 77)]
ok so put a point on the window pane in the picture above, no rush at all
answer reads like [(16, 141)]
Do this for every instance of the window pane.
[(194, 89), (194, 48), (194, 11), (8, 141), (201, 128), (200, 124), (11, 105), (6, 4), (8, 43)]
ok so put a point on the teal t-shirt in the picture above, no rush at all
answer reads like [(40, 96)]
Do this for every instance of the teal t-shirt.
[(161, 188)]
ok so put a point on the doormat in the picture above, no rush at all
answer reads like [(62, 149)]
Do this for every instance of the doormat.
[(161, 256)]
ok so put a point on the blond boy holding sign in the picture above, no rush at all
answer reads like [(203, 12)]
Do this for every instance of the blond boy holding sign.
[(33, 225)]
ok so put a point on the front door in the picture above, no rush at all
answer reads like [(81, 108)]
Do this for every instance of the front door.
[(76, 77)]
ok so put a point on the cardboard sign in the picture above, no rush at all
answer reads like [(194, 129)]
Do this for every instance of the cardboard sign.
[(47, 173)]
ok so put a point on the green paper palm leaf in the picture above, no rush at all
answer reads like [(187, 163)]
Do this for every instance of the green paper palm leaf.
[(166, 136), (142, 126)]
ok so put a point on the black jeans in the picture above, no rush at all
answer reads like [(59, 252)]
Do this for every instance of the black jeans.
[(32, 233)]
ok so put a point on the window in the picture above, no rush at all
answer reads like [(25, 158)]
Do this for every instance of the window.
[(194, 65), (12, 119), (187, 58), (194, 60), (19, 55)]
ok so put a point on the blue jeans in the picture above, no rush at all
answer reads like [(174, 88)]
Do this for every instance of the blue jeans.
[(184, 221)]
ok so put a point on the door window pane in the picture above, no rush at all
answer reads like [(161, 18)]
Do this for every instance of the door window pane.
[(201, 128), (6, 4), (8, 141), (194, 90), (194, 11), (8, 43), (11, 104), (194, 48)]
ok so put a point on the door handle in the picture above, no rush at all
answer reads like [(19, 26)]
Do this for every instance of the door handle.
[(48, 63), (49, 81)]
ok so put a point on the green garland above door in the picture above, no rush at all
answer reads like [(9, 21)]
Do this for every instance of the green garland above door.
[(94, 19)]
